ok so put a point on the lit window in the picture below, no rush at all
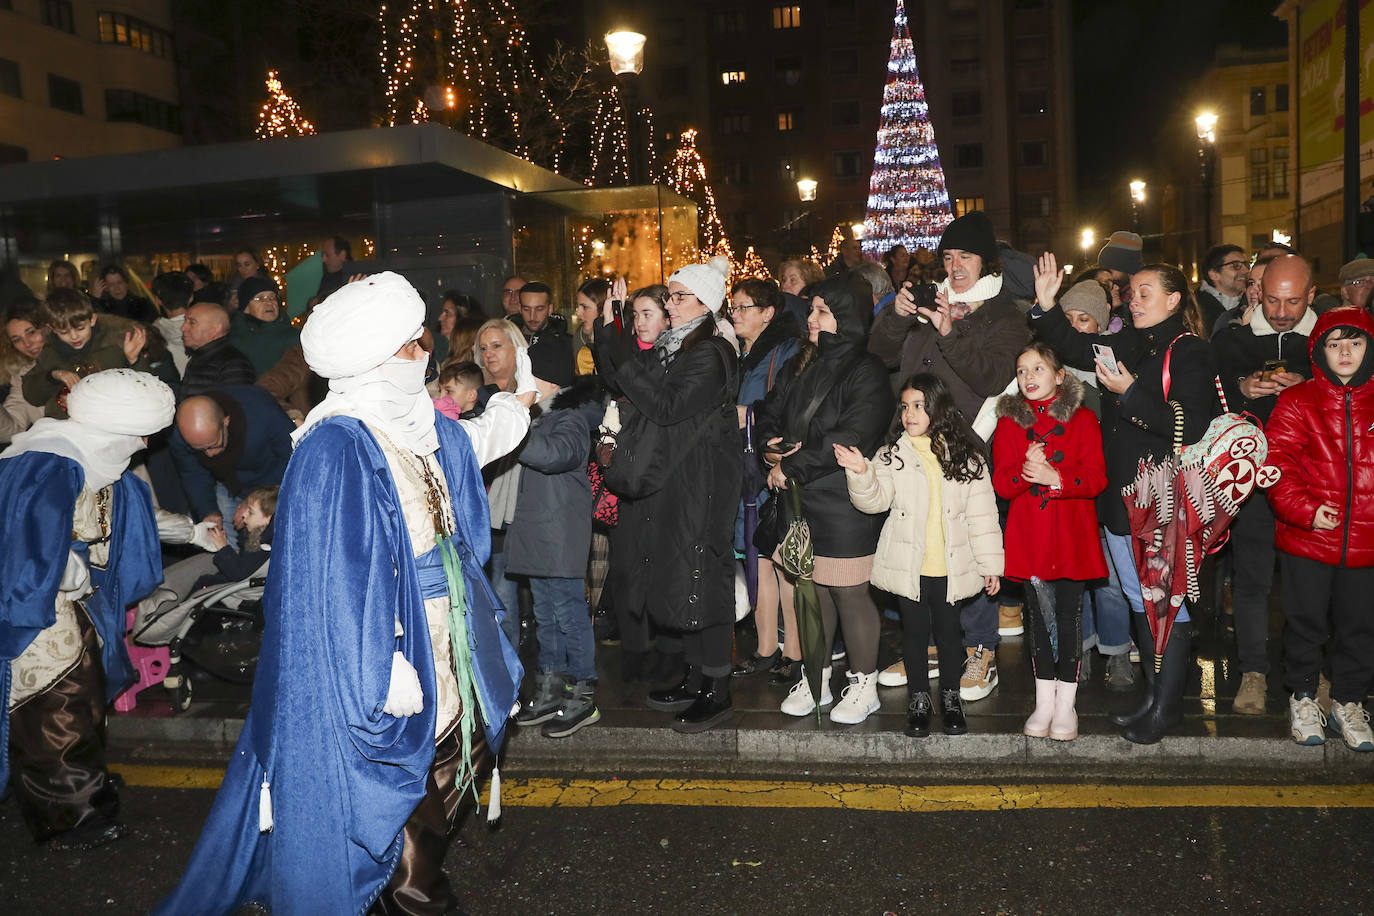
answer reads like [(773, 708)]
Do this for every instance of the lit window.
[(786, 120), (731, 77), (787, 17), (963, 205)]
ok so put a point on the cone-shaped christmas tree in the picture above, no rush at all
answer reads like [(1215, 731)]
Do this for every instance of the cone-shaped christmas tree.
[(280, 116), (907, 201)]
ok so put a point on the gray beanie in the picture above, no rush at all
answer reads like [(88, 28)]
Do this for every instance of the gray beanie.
[(1122, 252), (1090, 297)]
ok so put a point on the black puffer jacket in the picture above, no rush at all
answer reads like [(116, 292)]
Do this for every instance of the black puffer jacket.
[(857, 411), (215, 365), (672, 552)]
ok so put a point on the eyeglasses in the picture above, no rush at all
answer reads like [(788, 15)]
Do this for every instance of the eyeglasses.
[(678, 297), (1236, 264), (264, 297), (731, 309)]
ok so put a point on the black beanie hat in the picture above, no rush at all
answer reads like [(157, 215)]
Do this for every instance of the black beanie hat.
[(254, 286), (549, 362), (971, 232)]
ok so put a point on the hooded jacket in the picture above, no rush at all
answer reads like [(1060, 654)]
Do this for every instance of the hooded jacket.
[(1321, 439), (1051, 534), (856, 411)]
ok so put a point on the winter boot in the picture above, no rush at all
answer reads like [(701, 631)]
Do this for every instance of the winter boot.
[(1038, 725), (680, 695), (1166, 711), (578, 710), (918, 714), (952, 712), (858, 701), (1145, 645), (711, 707), (799, 700), (546, 701), (1064, 725)]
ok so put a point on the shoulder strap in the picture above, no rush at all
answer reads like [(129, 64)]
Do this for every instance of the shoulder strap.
[(1168, 354), (772, 359), (822, 392)]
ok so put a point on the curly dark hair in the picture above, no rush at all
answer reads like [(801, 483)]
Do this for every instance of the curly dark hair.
[(962, 455)]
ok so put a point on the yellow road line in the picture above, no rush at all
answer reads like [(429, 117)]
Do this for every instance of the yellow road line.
[(740, 793)]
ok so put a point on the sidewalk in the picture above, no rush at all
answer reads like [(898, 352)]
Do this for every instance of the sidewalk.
[(1213, 742)]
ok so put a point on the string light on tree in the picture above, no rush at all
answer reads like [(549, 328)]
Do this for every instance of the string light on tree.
[(280, 116), (686, 175), (836, 240), (611, 140), (907, 201)]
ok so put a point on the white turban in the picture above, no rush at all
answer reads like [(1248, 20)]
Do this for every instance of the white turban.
[(352, 339), (110, 413), (706, 281), (362, 325)]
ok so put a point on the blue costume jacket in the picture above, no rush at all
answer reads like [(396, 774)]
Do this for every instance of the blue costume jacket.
[(344, 776), (38, 494)]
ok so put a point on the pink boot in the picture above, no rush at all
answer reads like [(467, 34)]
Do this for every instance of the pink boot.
[(1038, 725), (1064, 725)]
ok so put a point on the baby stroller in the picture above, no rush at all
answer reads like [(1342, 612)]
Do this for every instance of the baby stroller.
[(213, 635)]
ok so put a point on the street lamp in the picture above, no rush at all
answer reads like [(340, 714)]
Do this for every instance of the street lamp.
[(626, 52), (1086, 240), (859, 230), (806, 188), (1206, 123), (1137, 186)]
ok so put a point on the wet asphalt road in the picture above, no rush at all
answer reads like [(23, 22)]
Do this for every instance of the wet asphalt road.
[(706, 860)]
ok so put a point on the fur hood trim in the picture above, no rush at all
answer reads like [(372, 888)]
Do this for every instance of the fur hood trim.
[(1069, 400)]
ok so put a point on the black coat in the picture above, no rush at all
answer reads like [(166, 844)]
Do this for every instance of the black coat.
[(1241, 352), (135, 308), (1139, 424), (857, 411), (215, 365), (672, 552)]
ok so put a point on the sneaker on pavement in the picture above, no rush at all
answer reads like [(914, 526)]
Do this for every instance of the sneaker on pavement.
[(980, 674), (577, 711), (1120, 674), (894, 675), (1250, 697), (1305, 719), (1351, 722), (799, 701), (1009, 621)]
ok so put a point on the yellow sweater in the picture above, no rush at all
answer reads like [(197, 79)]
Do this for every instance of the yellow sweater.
[(933, 563)]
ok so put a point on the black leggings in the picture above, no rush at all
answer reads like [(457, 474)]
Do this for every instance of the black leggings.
[(919, 618), (708, 648), (1068, 612), (851, 607)]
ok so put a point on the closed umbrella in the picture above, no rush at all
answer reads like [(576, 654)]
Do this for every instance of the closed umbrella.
[(799, 560)]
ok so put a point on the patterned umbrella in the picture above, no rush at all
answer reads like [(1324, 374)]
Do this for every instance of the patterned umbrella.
[(799, 560)]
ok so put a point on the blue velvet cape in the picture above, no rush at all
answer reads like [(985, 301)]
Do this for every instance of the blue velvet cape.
[(344, 776), (38, 492)]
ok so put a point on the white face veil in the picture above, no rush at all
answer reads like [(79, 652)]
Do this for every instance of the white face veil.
[(109, 414), (351, 339)]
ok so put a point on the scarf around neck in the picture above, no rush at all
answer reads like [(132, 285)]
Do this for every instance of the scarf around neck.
[(670, 341), (962, 304)]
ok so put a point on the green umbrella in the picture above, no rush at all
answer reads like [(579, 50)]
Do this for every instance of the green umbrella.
[(302, 282), (799, 560)]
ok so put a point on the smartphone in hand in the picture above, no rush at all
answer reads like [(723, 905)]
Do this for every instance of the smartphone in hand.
[(1105, 356)]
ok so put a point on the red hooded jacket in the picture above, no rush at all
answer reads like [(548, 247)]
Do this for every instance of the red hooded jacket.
[(1321, 438)]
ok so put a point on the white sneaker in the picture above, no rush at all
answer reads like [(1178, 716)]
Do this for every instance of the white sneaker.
[(894, 675), (858, 701), (1305, 719), (1351, 722), (799, 700)]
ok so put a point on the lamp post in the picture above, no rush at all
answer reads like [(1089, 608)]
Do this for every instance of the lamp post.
[(1137, 186), (1086, 240), (1206, 123), (626, 51), (806, 193)]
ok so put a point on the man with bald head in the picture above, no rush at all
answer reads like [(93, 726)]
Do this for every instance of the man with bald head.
[(227, 442), (1257, 362), (212, 362)]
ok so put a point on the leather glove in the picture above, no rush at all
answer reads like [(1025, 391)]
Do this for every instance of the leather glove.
[(404, 697)]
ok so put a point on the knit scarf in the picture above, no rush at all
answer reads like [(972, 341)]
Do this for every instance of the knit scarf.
[(670, 341), (962, 304)]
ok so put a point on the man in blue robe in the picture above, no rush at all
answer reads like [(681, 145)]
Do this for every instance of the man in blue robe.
[(384, 683), (81, 545)]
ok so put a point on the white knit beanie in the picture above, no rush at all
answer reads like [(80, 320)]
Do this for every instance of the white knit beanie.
[(706, 281)]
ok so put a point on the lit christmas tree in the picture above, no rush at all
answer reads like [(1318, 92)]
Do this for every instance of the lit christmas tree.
[(610, 163), (686, 175), (907, 201), (280, 116)]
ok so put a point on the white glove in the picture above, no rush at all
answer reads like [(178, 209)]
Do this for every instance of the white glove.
[(524, 373), (200, 537), (75, 578), (404, 697), (173, 528)]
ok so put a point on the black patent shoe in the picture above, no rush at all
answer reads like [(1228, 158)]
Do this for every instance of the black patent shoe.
[(711, 707), (87, 837), (918, 715), (786, 672), (757, 664), (952, 711), (679, 696)]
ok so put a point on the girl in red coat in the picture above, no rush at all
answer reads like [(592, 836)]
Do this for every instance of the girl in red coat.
[(1047, 459), (1321, 439)]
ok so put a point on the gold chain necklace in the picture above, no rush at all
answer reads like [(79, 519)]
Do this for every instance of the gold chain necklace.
[(434, 493)]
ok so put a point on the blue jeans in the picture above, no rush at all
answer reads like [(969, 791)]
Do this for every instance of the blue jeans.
[(563, 627), (1123, 559), (227, 506), (508, 593), (1106, 615), (978, 618)]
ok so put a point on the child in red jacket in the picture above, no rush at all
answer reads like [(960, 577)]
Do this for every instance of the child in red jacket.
[(1321, 439), (1047, 459)]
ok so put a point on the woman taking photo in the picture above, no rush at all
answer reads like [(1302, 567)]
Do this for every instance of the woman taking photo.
[(591, 297), (671, 559), (767, 340), (1138, 424), (834, 393)]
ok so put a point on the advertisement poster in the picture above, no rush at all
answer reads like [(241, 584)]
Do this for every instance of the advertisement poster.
[(1321, 95)]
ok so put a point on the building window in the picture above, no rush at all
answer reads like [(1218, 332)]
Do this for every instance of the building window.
[(789, 119), (119, 29), (964, 205), (1280, 170), (729, 22), (787, 17), (1281, 97), (788, 70), (1035, 153), (966, 104), (64, 94), (846, 165), (9, 79), (968, 156), (734, 124), (964, 56), (58, 14), (673, 81), (125, 105), (1035, 205), (736, 172), (1259, 171), (731, 77), (1257, 95), (844, 61), (844, 114), (1030, 49), (1032, 103)]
